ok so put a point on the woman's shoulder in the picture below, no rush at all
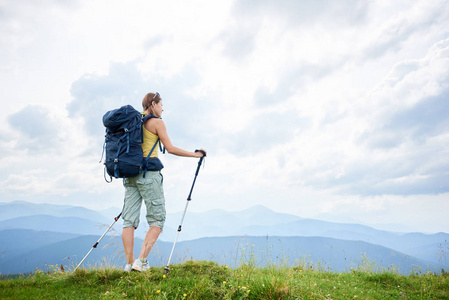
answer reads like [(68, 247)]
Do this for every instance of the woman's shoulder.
[(154, 124), (156, 121)]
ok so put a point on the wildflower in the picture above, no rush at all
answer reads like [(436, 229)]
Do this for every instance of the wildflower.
[(185, 295), (224, 282), (163, 276), (158, 291)]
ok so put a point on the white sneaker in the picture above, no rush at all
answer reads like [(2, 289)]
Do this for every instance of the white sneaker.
[(128, 267), (138, 265), (145, 266)]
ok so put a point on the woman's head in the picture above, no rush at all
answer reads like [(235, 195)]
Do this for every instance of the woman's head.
[(152, 104)]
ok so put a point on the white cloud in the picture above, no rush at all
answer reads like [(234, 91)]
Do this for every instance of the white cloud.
[(305, 107)]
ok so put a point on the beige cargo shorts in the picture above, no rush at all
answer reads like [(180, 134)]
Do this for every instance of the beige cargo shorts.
[(149, 190)]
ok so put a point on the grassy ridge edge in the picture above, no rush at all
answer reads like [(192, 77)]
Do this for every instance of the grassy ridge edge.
[(208, 280)]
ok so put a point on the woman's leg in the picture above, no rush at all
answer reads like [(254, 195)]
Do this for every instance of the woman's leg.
[(130, 216), (150, 240), (153, 194), (128, 243)]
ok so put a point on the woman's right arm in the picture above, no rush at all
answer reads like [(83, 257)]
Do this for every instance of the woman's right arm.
[(161, 131)]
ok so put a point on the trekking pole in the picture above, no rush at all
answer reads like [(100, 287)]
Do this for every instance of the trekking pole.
[(167, 268), (96, 244)]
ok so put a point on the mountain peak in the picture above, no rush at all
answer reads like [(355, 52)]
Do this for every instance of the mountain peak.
[(258, 208)]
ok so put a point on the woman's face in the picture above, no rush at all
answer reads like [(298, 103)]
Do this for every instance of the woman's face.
[(157, 109)]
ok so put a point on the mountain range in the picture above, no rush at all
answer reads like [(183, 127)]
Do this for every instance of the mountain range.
[(33, 236)]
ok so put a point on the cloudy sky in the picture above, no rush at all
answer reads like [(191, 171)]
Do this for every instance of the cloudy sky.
[(325, 109)]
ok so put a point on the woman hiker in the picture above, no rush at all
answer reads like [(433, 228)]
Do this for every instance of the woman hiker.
[(148, 188)]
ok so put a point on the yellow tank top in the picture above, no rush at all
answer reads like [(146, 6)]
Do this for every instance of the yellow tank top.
[(148, 142)]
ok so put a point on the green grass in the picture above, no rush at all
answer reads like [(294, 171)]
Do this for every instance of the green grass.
[(208, 280)]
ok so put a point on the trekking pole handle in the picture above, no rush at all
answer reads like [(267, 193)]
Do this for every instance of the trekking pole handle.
[(201, 161), (202, 151)]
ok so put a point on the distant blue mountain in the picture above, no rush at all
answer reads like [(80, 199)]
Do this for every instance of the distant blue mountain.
[(11, 210), (66, 252), (260, 221), (72, 225), (256, 221), (222, 223), (15, 242), (410, 243), (324, 253)]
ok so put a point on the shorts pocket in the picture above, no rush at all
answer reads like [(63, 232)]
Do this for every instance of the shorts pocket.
[(157, 202), (144, 180), (156, 213)]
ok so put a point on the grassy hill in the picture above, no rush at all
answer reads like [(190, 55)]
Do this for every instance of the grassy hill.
[(208, 280)]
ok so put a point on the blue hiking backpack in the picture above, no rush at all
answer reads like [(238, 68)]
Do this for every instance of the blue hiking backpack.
[(123, 142)]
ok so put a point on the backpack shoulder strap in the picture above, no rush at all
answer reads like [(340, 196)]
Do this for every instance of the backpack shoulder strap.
[(152, 149), (148, 157), (146, 117)]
